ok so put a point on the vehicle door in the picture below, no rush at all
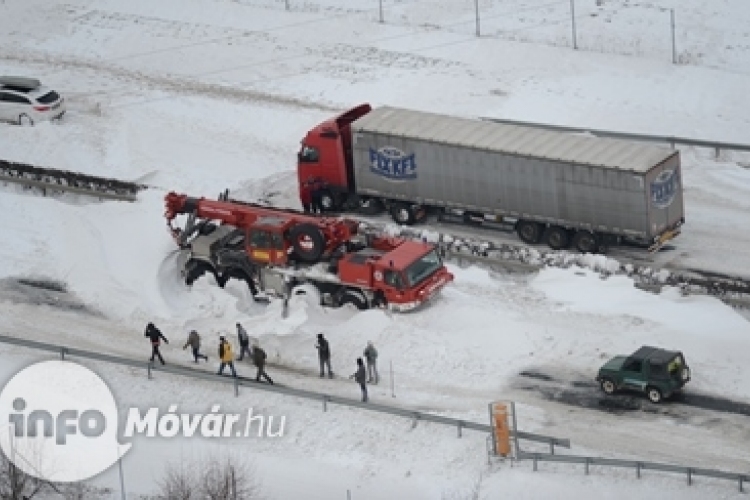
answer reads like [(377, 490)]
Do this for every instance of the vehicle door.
[(632, 374), (393, 285), (266, 247), (17, 105), (7, 110)]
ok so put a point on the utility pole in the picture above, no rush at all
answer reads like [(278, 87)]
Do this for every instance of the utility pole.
[(573, 22), (476, 8), (674, 44)]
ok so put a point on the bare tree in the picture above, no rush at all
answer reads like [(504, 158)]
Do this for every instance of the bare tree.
[(15, 484), (214, 478)]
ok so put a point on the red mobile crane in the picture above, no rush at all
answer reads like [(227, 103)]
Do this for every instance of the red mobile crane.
[(274, 250)]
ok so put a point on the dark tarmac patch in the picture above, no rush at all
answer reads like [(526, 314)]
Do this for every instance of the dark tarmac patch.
[(587, 394), (42, 292)]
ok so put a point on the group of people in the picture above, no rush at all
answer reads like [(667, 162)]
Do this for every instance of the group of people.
[(362, 375), (226, 354)]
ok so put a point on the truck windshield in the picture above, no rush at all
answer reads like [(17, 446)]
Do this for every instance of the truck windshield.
[(423, 268)]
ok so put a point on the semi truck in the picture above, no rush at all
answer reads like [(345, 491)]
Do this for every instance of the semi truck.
[(558, 188), (279, 252)]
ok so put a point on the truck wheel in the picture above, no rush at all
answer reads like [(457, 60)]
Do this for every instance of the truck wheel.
[(608, 386), (328, 201), (529, 232), (353, 299), (557, 238), (585, 242), (308, 242), (370, 206), (654, 395), (403, 214)]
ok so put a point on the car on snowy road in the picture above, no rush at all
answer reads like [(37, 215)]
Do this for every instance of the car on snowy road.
[(658, 373), (26, 101)]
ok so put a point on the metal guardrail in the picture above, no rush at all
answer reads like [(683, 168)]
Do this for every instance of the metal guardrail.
[(671, 140), (637, 465), (416, 416)]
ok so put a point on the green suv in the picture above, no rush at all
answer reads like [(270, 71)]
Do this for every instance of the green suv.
[(656, 372)]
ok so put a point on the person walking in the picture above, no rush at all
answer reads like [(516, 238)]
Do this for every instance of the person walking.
[(259, 358), (226, 356), (194, 341), (155, 336), (324, 355), (371, 358), (244, 342), (360, 377)]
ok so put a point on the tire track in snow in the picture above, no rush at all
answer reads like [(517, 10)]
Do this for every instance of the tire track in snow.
[(178, 85)]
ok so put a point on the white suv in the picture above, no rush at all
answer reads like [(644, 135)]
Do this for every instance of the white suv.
[(25, 101)]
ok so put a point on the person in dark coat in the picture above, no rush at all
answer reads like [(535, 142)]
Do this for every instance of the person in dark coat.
[(360, 376), (305, 196), (155, 336), (226, 356), (324, 355), (317, 187), (194, 341), (259, 358), (244, 339), (371, 357)]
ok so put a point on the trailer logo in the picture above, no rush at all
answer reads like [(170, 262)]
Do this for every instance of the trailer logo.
[(393, 163), (664, 188)]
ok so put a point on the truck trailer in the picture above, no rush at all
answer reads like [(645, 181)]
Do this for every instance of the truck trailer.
[(558, 188)]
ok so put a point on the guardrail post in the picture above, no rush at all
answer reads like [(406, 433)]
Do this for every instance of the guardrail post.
[(325, 403), (236, 387), (62, 353), (690, 476), (717, 152), (414, 422), (535, 458), (551, 447), (460, 424), (740, 484), (638, 470), (149, 371), (587, 465)]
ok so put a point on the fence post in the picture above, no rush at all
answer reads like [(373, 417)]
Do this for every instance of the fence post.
[(690, 476), (535, 457), (476, 8), (573, 23), (638, 470), (551, 447), (674, 45), (515, 428), (62, 353), (740, 484), (587, 465), (393, 393)]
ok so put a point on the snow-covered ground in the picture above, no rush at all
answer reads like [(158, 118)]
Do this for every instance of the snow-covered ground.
[(202, 95)]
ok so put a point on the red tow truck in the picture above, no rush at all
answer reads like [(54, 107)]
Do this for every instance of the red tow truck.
[(276, 251)]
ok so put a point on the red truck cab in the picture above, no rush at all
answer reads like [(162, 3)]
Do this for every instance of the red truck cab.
[(326, 155)]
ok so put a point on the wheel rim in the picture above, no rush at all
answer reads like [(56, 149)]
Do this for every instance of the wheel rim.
[(654, 396), (555, 239), (608, 387), (403, 215), (327, 201), (529, 232)]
